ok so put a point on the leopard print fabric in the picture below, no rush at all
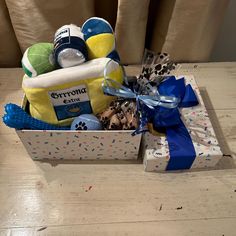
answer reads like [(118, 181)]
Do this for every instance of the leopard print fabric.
[(120, 115)]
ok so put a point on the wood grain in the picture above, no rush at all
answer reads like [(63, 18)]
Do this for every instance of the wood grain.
[(121, 199), (178, 228)]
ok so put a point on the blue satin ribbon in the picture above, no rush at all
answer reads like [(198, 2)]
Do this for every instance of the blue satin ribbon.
[(162, 111), (112, 87), (182, 152), (164, 117)]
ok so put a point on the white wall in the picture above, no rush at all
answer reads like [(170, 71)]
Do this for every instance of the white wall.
[(225, 45)]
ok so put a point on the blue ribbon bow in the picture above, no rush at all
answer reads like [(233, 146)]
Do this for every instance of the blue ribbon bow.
[(164, 117), (182, 152), (162, 111), (112, 87)]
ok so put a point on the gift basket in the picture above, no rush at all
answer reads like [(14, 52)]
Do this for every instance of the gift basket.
[(79, 103)]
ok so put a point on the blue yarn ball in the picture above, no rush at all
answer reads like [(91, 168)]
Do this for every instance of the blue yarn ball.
[(86, 122)]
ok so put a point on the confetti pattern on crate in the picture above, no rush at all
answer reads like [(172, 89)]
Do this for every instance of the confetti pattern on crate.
[(196, 119), (84, 145)]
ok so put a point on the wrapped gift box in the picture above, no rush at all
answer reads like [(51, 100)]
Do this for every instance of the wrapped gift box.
[(155, 148)]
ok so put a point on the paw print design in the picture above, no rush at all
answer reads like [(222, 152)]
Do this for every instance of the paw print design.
[(163, 65), (81, 126)]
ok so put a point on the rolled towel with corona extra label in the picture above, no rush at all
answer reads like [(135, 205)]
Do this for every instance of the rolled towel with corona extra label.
[(69, 46), (59, 96)]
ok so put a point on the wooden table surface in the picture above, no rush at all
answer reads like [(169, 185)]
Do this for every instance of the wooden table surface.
[(121, 199)]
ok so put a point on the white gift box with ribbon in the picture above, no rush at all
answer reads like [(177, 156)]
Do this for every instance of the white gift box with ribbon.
[(155, 149)]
